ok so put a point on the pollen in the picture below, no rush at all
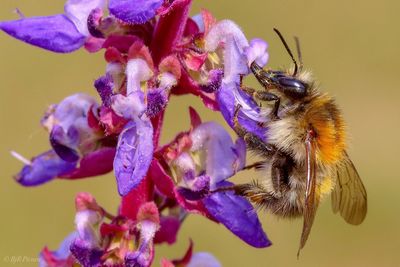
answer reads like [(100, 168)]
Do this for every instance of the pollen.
[(326, 186)]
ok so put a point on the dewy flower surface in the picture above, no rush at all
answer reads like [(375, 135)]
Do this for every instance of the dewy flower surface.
[(153, 50)]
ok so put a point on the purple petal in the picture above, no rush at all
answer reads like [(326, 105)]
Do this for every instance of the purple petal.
[(217, 143), (227, 101), (57, 140), (104, 86), (44, 168), (200, 259), (199, 188), (240, 151), (55, 33), (78, 11), (134, 12), (93, 23), (214, 81), (134, 154), (136, 259), (72, 110), (85, 255), (238, 215)]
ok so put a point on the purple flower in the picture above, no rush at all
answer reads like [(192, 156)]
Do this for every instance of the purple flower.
[(61, 33), (148, 222), (153, 49), (70, 133), (222, 160), (221, 157), (238, 54), (202, 160)]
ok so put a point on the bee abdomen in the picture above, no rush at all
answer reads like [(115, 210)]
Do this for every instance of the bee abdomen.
[(282, 205)]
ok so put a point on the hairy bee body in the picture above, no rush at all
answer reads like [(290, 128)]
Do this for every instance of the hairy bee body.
[(303, 154), (287, 134)]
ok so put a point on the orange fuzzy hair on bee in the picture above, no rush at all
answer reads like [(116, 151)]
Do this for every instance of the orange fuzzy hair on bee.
[(326, 119)]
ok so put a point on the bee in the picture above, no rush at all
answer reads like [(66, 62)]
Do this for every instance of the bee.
[(304, 151)]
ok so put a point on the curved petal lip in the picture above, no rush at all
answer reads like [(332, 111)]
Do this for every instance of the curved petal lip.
[(238, 215), (134, 12), (55, 33)]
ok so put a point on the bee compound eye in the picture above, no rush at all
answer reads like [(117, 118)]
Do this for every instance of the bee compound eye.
[(293, 86), (290, 82)]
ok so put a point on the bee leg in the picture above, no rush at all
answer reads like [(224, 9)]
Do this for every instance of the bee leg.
[(266, 96), (257, 165), (248, 90), (257, 194), (263, 77), (252, 140)]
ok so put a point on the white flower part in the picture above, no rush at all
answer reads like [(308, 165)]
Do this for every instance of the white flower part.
[(203, 259), (220, 159), (147, 230), (235, 62), (221, 31), (229, 34), (185, 163), (167, 80), (87, 224), (116, 71), (257, 52), (78, 11), (128, 107), (137, 71)]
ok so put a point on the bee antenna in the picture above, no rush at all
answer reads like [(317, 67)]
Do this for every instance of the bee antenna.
[(288, 50), (297, 40)]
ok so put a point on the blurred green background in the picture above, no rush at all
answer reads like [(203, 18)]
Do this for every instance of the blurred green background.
[(352, 48)]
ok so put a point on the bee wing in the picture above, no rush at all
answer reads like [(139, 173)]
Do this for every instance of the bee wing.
[(311, 198), (349, 196)]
